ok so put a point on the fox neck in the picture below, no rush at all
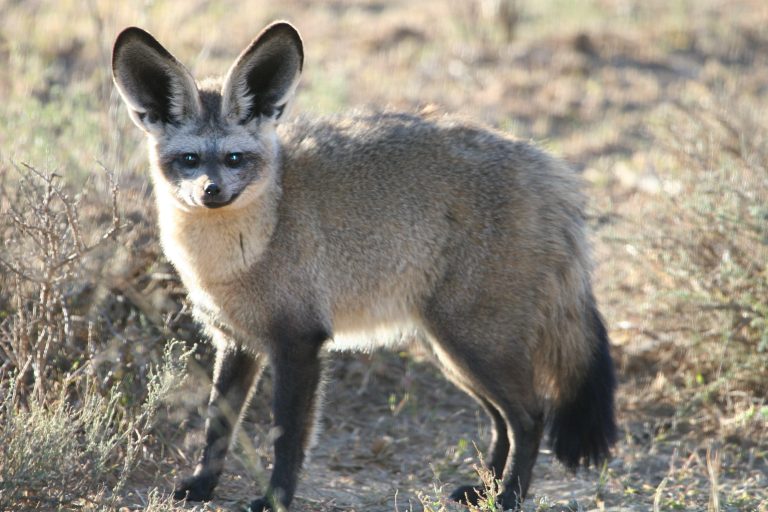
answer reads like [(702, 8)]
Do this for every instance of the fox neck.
[(210, 247)]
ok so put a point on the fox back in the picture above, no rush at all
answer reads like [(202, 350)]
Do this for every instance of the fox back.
[(324, 231)]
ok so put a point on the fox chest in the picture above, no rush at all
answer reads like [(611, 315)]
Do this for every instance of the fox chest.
[(216, 275), (231, 310)]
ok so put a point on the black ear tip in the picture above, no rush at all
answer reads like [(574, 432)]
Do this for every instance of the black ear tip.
[(136, 36), (282, 26), (284, 29), (125, 38), (129, 34)]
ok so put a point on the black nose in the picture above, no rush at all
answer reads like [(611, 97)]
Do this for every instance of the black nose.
[(211, 189)]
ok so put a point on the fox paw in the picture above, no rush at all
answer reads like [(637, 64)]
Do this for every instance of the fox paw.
[(468, 494), (196, 488), (260, 505)]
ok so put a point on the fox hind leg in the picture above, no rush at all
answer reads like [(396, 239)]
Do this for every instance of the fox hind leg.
[(496, 371), (498, 451)]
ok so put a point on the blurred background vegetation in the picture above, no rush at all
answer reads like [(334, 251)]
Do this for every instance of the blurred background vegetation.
[(660, 105)]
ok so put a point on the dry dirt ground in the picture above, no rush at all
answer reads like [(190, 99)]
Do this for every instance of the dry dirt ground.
[(592, 81), (392, 430)]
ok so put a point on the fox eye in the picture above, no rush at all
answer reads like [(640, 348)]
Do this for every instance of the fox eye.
[(233, 160), (190, 160)]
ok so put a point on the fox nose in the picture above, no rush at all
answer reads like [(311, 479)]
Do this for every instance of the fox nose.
[(212, 189)]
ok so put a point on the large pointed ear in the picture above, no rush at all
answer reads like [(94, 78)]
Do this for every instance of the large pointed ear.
[(157, 88), (264, 76)]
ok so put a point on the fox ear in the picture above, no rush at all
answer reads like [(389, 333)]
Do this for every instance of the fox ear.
[(264, 76), (157, 88)]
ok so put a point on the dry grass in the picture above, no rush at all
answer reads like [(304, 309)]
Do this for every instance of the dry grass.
[(661, 106)]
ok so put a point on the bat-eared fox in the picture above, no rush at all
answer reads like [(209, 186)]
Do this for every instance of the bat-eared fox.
[(296, 236)]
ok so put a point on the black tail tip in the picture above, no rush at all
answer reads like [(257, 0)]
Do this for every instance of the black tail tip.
[(583, 429)]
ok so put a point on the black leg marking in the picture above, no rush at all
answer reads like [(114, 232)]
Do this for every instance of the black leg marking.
[(527, 441), (234, 377), (495, 462), (297, 370)]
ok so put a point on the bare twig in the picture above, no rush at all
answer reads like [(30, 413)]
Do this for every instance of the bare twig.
[(46, 245), (713, 471)]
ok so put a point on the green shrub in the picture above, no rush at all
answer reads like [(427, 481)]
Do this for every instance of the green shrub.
[(78, 452), (706, 239)]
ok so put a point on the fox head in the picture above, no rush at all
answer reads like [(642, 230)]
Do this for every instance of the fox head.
[(212, 145)]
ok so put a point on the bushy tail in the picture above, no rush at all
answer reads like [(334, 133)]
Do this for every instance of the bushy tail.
[(583, 427)]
